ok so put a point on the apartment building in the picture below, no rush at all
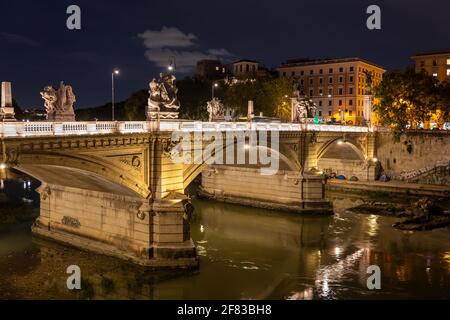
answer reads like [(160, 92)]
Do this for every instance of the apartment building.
[(435, 63), (337, 86)]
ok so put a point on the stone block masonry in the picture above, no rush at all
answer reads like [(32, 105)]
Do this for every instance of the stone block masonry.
[(286, 190), (113, 224)]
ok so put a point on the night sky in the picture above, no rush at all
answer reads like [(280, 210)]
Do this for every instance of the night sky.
[(140, 36)]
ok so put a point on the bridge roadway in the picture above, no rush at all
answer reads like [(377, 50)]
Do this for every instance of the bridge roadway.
[(112, 187)]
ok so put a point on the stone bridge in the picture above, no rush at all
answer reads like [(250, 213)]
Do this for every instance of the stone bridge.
[(112, 187)]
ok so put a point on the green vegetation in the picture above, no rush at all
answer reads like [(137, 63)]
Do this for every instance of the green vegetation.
[(270, 95), (407, 98)]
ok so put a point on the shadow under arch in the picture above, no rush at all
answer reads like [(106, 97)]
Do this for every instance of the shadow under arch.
[(77, 165), (341, 143), (192, 171)]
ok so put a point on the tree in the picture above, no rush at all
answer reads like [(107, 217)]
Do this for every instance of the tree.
[(272, 96), (135, 106), (406, 99)]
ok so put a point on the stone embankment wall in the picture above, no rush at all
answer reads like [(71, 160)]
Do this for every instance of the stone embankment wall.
[(419, 157), (247, 186)]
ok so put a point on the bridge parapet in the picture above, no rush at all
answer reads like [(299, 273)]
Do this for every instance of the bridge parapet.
[(33, 129)]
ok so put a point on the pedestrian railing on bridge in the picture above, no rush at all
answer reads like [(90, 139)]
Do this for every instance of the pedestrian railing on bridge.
[(36, 129)]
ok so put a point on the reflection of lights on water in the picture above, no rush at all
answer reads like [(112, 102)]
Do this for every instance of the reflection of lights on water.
[(333, 273), (307, 294), (373, 225), (202, 229), (337, 251)]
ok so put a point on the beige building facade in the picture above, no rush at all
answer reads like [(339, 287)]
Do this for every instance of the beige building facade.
[(337, 86), (435, 63)]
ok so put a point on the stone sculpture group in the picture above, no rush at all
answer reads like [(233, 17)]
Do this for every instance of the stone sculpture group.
[(163, 102), (303, 108), (59, 103)]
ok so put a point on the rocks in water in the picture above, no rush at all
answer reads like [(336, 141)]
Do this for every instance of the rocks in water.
[(381, 208), (427, 215)]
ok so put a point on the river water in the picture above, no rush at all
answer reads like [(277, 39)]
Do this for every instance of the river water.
[(245, 253)]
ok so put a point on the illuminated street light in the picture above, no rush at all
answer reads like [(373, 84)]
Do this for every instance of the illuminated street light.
[(170, 68), (114, 73), (215, 85), (3, 166)]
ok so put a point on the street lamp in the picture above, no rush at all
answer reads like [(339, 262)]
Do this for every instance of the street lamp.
[(114, 73), (214, 86), (170, 68)]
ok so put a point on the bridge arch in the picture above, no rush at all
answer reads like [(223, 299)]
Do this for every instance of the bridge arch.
[(85, 169), (341, 149), (191, 172)]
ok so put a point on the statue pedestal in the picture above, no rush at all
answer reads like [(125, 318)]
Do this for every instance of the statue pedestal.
[(7, 114), (155, 114), (62, 117)]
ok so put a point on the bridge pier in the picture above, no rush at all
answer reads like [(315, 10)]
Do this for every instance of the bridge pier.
[(152, 235)]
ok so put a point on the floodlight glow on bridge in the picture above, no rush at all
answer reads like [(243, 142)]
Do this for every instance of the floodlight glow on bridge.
[(42, 129)]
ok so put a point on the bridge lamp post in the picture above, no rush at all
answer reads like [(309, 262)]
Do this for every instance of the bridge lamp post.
[(113, 74), (214, 86)]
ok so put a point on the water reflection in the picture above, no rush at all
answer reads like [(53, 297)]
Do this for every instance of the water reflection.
[(245, 254)]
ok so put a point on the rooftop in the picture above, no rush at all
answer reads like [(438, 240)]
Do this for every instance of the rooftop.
[(431, 53), (245, 60), (308, 62)]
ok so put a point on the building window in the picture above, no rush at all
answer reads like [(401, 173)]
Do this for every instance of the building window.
[(330, 103), (341, 79), (330, 80), (448, 61), (341, 91), (320, 103), (320, 80), (320, 113), (254, 69), (321, 70), (311, 72), (434, 63), (247, 68), (240, 69), (293, 73), (311, 81), (350, 102), (302, 82), (351, 78), (341, 69), (448, 72), (311, 92), (351, 112), (330, 71), (340, 102), (329, 113), (330, 91), (350, 90), (435, 74), (302, 73), (422, 64), (352, 69), (321, 92)]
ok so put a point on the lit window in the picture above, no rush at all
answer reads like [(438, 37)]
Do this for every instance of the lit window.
[(448, 72), (448, 61), (435, 74)]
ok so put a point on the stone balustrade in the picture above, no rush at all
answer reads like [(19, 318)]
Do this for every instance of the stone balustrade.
[(32, 129)]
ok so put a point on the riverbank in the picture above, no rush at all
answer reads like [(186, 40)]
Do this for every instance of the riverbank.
[(387, 188)]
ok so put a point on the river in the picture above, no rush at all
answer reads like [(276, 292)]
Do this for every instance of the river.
[(245, 253)]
